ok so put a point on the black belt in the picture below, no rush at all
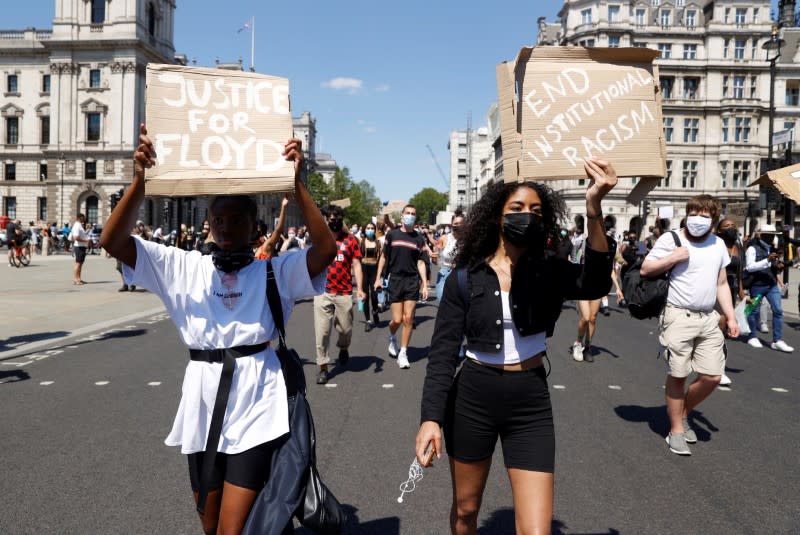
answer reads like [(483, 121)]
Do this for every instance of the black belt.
[(227, 357)]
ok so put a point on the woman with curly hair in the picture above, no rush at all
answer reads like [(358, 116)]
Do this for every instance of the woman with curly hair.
[(505, 296)]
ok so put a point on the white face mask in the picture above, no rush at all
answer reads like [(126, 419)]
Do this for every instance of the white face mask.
[(698, 225), (292, 235)]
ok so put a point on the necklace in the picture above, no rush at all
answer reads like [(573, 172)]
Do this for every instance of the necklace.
[(496, 264)]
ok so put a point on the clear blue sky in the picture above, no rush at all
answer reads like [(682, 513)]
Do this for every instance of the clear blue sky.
[(416, 69)]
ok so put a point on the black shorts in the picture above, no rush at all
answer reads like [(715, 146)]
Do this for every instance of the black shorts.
[(403, 288), (248, 469), (80, 254), (487, 402)]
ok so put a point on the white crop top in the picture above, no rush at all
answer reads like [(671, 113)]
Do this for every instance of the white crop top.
[(515, 348)]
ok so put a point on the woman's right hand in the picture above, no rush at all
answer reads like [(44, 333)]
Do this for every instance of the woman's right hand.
[(145, 155), (378, 284), (429, 432)]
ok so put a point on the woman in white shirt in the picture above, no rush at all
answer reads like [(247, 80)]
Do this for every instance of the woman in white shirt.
[(218, 301)]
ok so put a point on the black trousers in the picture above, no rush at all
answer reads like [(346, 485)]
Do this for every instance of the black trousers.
[(370, 271)]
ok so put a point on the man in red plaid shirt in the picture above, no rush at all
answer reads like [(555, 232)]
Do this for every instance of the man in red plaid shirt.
[(336, 304)]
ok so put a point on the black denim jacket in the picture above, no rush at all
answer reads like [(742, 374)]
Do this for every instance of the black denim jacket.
[(539, 288)]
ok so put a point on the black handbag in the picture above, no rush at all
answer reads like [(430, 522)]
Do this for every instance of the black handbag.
[(294, 487)]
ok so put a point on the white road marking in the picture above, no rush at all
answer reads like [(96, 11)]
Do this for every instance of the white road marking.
[(154, 383), (724, 388), (389, 385), (46, 383), (614, 387), (101, 383), (559, 387), (651, 332), (778, 389), (331, 385)]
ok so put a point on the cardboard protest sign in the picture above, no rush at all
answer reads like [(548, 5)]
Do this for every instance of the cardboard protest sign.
[(559, 105), (217, 131), (786, 180), (737, 212), (342, 203)]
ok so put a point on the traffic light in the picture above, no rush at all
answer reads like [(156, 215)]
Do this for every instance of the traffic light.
[(645, 207), (113, 199)]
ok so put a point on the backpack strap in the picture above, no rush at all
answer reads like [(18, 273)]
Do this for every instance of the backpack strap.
[(676, 238)]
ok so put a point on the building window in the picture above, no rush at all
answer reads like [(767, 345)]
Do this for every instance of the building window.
[(587, 43), (741, 16), (668, 176), (12, 83), (741, 173), (690, 130), (42, 172), (738, 87), (681, 3), (41, 208), (613, 41), (92, 127), (738, 49), (742, 132), (689, 51), (725, 87), (45, 128), (727, 15), (726, 44), (725, 129), (754, 49), (667, 122), (641, 17), (689, 176), (723, 174), (12, 130), (639, 45), (10, 171), (665, 49), (91, 210), (755, 15), (666, 15), (753, 86), (94, 78), (45, 83), (792, 95), (586, 16), (691, 18), (613, 13), (10, 207), (98, 11), (151, 19), (655, 3), (90, 170), (691, 87)]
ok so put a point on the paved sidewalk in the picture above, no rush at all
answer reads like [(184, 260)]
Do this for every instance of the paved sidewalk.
[(42, 306)]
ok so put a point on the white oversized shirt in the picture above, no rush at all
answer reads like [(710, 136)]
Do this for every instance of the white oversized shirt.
[(78, 232), (693, 284), (215, 310)]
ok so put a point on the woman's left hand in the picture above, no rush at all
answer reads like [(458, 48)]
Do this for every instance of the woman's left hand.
[(602, 176)]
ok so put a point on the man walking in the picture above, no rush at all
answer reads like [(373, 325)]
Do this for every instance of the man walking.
[(79, 242), (336, 304), (402, 253), (689, 325)]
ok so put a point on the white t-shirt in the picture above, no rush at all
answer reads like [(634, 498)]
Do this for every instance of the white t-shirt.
[(693, 284), (78, 232), (214, 310)]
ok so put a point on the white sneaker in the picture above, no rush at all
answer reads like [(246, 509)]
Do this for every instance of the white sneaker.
[(725, 380), (764, 328), (577, 352), (393, 349), (780, 345), (402, 360), (754, 342)]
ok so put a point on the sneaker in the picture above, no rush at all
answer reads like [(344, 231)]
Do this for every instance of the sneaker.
[(402, 360), (369, 326), (133, 287), (764, 328), (344, 356), (754, 342), (322, 378), (124, 288), (780, 345), (677, 444), (577, 352), (604, 311), (725, 380), (588, 354), (393, 349), (688, 432)]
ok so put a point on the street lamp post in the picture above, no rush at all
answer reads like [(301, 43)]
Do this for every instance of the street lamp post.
[(61, 205), (773, 47)]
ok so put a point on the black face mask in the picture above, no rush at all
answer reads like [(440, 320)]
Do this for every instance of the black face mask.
[(229, 261), (524, 229), (336, 225), (729, 234)]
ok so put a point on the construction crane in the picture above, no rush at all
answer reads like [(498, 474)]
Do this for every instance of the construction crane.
[(439, 167)]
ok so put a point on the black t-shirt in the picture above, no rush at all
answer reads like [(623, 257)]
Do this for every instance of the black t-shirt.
[(402, 251)]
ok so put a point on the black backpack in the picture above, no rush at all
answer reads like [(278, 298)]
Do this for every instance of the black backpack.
[(646, 296)]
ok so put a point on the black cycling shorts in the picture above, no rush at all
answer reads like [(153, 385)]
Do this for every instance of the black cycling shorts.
[(248, 469), (486, 403), (403, 288)]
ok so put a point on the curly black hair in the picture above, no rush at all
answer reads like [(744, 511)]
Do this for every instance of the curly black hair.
[(481, 233)]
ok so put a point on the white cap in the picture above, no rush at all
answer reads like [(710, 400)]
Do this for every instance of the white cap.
[(767, 228)]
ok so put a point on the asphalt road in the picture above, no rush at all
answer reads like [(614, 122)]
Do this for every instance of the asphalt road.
[(83, 428)]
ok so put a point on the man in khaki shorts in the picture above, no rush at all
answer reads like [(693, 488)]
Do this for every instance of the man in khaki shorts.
[(689, 325)]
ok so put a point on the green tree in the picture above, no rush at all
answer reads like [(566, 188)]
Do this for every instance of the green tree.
[(427, 200), (319, 189), (364, 203)]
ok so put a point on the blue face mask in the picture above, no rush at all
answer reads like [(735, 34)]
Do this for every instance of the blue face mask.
[(370, 234), (409, 220)]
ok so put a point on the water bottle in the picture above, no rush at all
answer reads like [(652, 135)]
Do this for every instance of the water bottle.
[(753, 305), (360, 305), (381, 295)]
